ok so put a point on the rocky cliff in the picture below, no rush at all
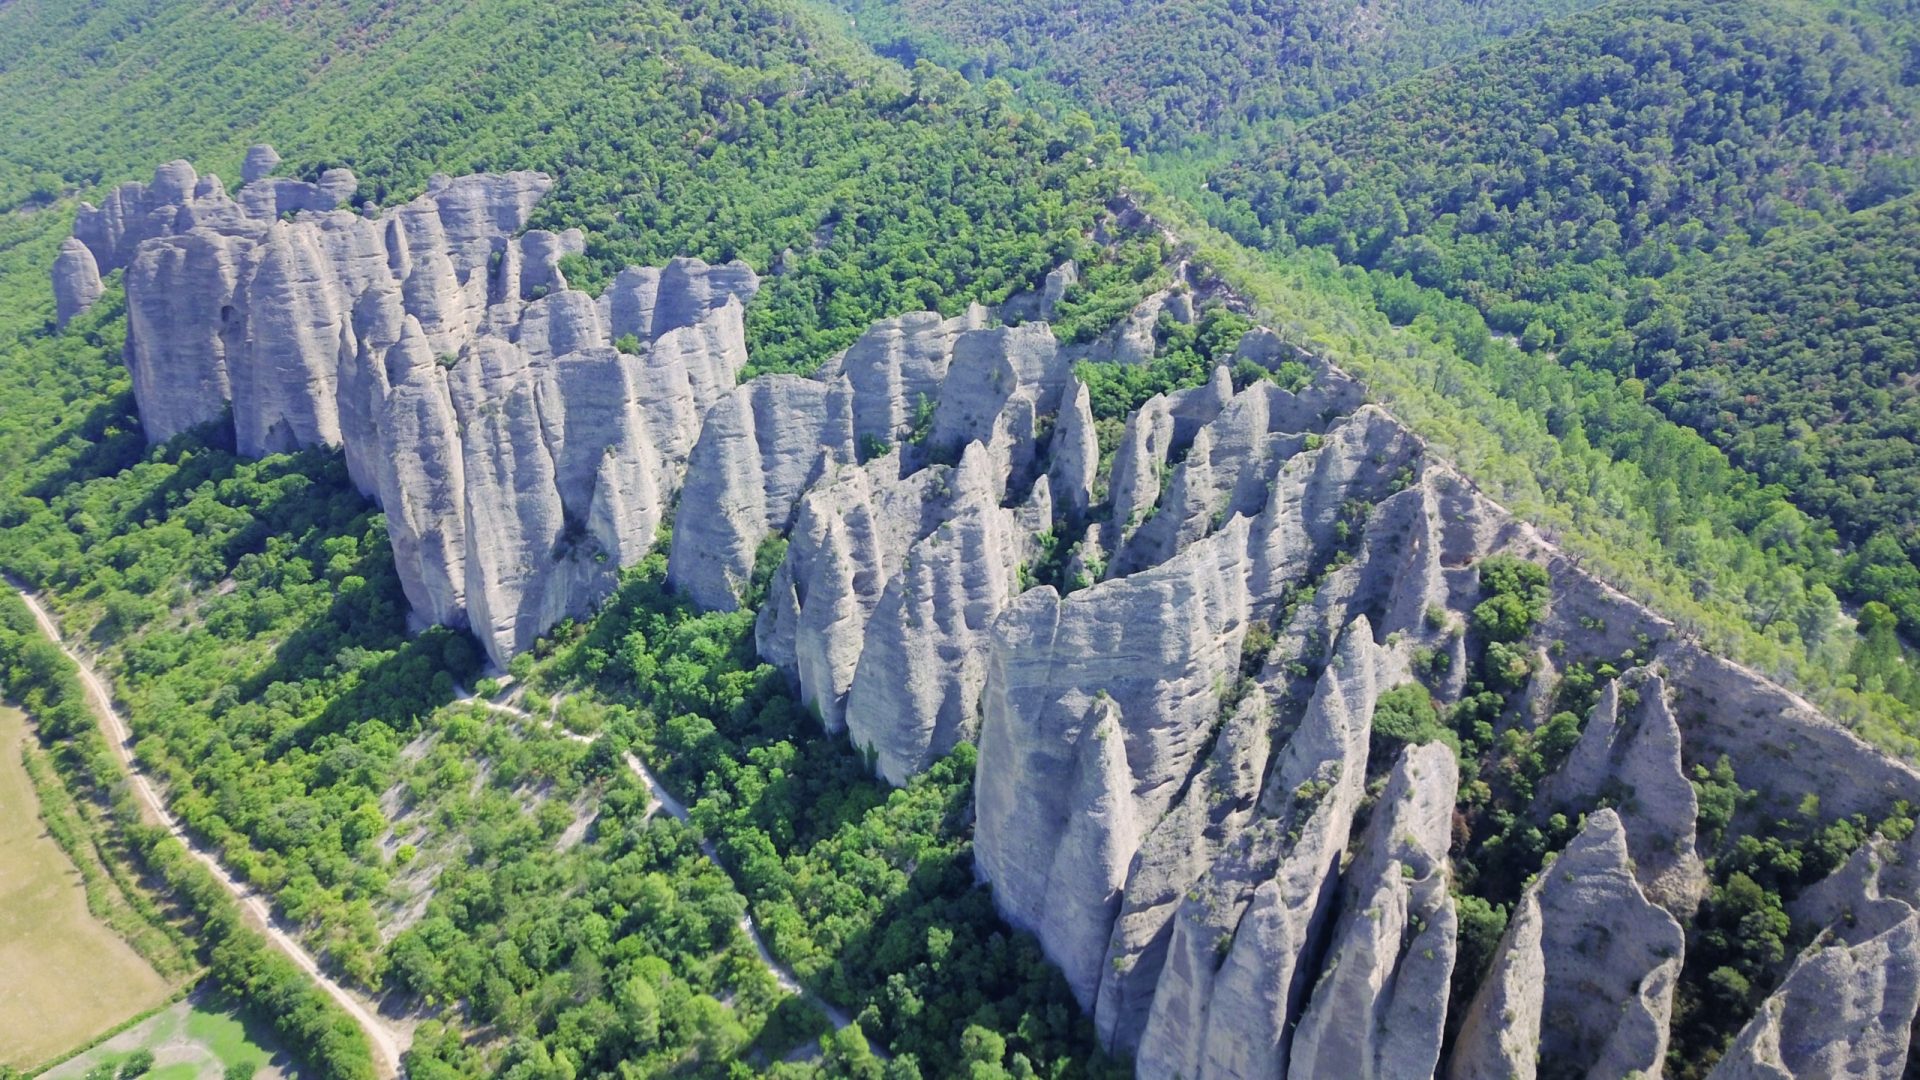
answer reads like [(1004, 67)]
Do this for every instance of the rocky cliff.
[(522, 457), (1173, 638)]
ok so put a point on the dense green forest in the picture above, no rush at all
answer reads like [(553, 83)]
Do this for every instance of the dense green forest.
[(1536, 179), (1557, 181), (1179, 75), (1802, 359), (36, 674)]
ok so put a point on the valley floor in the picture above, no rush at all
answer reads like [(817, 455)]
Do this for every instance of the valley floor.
[(65, 977), (386, 1037)]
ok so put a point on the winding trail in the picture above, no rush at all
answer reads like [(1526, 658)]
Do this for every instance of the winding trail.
[(387, 1040), (664, 800)]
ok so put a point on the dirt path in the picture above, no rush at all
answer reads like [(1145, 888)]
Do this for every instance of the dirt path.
[(664, 800), (387, 1040)]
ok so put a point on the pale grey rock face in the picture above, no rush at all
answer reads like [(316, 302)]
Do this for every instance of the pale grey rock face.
[(1173, 856), (897, 369), (76, 281), (420, 475), (896, 570), (182, 324), (759, 450), (1631, 758), (1138, 659), (1075, 456), (1131, 341), (260, 163), (1000, 383), (1235, 448), (1306, 506), (1059, 280), (1241, 957), (1846, 1008), (849, 539), (916, 687), (520, 458), (1379, 1011), (1584, 976), (1134, 487), (1847, 1005)]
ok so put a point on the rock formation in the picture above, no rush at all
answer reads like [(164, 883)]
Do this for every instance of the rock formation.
[(1379, 1010), (1630, 758), (1170, 662), (1584, 977), (76, 281), (1848, 1002), (520, 457)]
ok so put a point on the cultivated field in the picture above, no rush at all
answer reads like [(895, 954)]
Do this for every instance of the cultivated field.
[(64, 976), (197, 1039)]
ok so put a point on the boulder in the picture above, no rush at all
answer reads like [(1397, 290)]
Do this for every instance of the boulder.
[(76, 281)]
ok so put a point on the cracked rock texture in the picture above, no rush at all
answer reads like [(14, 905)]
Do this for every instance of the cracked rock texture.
[(1380, 1008)]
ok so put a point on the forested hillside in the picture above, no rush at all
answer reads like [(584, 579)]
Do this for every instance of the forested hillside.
[(1800, 358), (1553, 180), (1539, 178), (1173, 74)]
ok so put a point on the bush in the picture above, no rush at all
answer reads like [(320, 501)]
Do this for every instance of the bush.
[(1403, 715)]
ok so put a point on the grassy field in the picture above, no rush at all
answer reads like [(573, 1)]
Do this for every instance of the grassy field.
[(196, 1039), (64, 976)]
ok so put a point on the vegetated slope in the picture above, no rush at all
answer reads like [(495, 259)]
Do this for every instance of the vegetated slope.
[(1540, 177), (1802, 359), (1172, 74), (714, 131), (1552, 181), (251, 610), (1599, 457)]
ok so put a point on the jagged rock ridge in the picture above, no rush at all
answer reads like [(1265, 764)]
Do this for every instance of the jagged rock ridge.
[(1174, 725)]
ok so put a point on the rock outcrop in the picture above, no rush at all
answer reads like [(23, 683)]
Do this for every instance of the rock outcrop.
[(1107, 694), (1848, 1003), (923, 662), (1379, 1010), (1846, 1008), (76, 281), (1241, 952), (1584, 976), (1170, 662), (1630, 759), (520, 457), (759, 450)]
